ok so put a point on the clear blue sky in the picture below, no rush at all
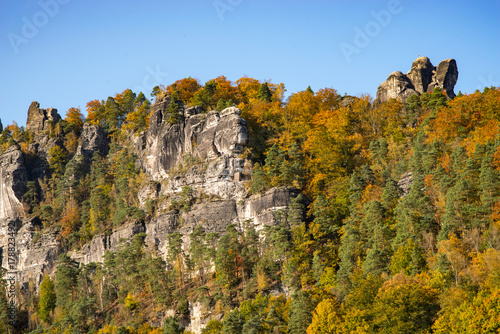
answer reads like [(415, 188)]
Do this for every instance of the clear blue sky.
[(84, 50)]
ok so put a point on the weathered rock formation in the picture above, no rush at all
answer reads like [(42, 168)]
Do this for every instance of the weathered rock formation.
[(201, 151), (13, 179), (405, 182), (41, 122), (423, 77), (92, 140), (214, 216), (39, 119)]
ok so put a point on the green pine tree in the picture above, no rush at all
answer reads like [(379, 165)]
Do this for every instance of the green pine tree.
[(66, 282), (47, 302), (171, 326), (264, 93), (233, 323), (301, 310)]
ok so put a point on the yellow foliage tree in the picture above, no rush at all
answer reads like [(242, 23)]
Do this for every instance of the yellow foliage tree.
[(74, 119), (326, 318)]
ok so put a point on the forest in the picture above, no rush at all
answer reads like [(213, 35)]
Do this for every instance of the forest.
[(358, 251)]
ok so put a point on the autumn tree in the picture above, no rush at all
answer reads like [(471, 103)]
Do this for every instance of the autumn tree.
[(185, 89), (74, 120), (138, 119), (326, 318), (57, 161), (405, 305)]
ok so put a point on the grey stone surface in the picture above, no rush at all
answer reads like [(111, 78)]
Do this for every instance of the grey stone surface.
[(203, 152), (423, 77), (13, 179), (203, 136), (445, 77), (32, 256), (421, 74), (38, 119), (405, 182), (397, 85), (92, 140)]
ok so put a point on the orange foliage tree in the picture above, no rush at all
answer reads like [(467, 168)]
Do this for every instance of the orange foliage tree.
[(185, 88)]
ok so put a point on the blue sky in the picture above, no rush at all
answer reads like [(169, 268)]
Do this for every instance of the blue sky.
[(64, 53)]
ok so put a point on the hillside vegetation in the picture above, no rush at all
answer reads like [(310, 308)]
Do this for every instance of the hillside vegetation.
[(396, 228)]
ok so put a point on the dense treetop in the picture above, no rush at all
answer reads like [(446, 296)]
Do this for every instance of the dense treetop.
[(356, 251)]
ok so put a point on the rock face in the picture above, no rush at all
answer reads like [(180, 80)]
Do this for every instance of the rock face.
[(214, 216), (40, 122), (39, 119), (215, 138), (202, 151), (13, 179), (202, 136), (405, 182), (446, 77), (92, 140), (423, 77)]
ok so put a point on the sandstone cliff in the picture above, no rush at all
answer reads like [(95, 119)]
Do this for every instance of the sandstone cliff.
[(201, 151), (13, 178), (423, 77)]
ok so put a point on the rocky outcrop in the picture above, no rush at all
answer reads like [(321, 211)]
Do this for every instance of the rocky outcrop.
[(39, 119), (41, 122), (35, 253), (92, 140), (202, 136), (405, 182), (13, 178), (445, 77), (212, 142), (397, 85), (421, 74), (261, 209), (348, 100), (423, 77), (213, 216), (201, 152)]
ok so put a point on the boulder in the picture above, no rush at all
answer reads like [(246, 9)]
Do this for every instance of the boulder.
[(405, 182)]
